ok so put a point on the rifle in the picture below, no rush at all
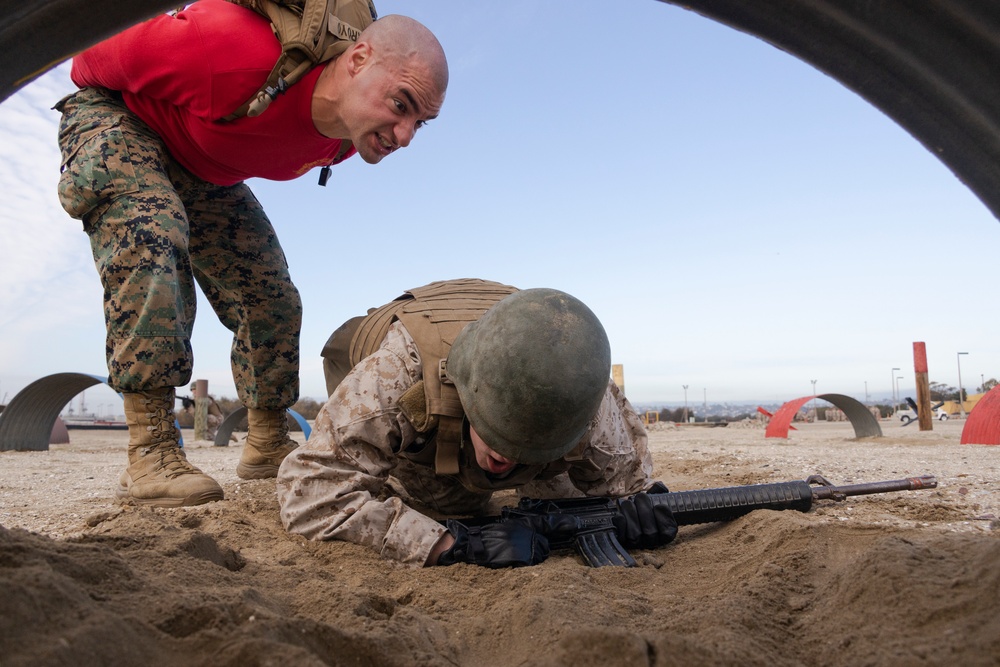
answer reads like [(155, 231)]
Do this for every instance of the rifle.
[(597, 542)]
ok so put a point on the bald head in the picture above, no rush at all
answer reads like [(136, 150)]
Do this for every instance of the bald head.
[(382, 89), (404, 40)]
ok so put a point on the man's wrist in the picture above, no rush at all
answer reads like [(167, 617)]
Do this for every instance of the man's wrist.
[(446, 542)]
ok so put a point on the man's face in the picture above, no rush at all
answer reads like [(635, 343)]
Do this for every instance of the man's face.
[(388, 102), (487, 459)]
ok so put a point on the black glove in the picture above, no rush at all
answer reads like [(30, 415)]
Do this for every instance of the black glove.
[(643, 524), (512, 543)]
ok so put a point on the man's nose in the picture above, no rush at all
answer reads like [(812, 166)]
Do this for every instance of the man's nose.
[(404, 132)]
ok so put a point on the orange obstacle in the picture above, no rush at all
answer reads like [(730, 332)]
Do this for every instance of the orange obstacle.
[(983, 425)]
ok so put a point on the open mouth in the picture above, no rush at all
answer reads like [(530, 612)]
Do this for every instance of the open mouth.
[(385, 145), (498, 467)]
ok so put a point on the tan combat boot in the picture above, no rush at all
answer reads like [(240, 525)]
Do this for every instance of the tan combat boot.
[(158, 471), (267, 444)]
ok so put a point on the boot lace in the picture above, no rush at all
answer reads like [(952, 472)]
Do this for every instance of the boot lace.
[(172, 461), (159, 413)]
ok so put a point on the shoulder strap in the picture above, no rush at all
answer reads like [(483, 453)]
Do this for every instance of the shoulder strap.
[(369, 335), (434, 318), (310, 32), (448, 303)]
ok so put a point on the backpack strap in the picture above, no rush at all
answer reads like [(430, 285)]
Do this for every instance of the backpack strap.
[(311, 32)]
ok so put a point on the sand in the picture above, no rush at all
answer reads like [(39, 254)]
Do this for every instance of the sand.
[(896, 579)]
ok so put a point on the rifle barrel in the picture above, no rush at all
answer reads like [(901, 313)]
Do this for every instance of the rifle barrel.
[(827, 491)]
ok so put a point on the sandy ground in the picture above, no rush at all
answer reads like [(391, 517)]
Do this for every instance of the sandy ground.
[(907, 578)]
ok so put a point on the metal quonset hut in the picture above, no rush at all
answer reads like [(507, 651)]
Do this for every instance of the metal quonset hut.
[(928, 64)]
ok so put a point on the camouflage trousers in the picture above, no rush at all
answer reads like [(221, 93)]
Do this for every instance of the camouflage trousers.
[(154, 230)]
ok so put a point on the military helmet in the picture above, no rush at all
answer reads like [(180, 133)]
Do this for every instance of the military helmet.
[(531, 374)]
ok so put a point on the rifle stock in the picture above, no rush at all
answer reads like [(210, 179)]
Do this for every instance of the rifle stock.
[(597, 541)]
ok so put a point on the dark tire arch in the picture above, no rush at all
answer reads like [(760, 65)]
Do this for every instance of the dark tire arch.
[(864, 422), (239, 416), (26, 423), (930, 65)]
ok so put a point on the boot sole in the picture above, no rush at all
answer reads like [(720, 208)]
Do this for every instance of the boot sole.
[(188, 501), (246, 471)]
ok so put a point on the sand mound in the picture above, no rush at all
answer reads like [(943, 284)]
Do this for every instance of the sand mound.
[(908, 578)]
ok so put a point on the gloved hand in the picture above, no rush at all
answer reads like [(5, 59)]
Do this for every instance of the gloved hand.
[(643, 524), (512, 543)]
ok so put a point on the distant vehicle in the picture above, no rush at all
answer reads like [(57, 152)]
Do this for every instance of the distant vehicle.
[(906, 416)]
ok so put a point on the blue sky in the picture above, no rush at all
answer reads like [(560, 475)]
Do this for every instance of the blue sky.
[(740, 222)]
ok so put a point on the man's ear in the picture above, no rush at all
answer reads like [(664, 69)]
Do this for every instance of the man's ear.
[(358, 57)]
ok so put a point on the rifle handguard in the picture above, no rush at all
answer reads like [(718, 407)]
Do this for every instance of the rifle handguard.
[(709, 505)]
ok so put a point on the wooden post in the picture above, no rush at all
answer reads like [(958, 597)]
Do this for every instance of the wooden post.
[(924, 414), (201, 409), (618, 374)]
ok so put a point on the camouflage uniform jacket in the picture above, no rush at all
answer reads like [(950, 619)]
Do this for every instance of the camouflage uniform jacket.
[(352, 481)]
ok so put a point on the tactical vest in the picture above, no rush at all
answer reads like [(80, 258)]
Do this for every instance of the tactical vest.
[(433, 315)]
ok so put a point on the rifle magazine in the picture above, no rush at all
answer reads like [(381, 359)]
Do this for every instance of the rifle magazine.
[(601, 548)]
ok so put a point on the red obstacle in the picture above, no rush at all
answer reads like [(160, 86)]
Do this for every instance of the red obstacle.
[(983, 425), (769, 416)]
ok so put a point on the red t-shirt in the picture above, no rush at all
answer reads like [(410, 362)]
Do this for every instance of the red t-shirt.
[(182, 73)]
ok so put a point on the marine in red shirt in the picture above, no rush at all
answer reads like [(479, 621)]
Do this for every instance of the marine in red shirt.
[(182, 73), (157, 179)]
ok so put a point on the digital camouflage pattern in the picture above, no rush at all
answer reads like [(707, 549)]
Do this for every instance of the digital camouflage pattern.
[(352, 480), (154, 230)]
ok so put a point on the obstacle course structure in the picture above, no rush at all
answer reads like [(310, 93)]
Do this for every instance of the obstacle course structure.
[(864, 422), (237, 417), (26, 423), (983, 425)]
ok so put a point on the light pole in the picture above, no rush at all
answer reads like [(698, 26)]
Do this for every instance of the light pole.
[(685, 403), (866, 392), (961, 400), (899, 396), (893, 388), (814, 401)]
